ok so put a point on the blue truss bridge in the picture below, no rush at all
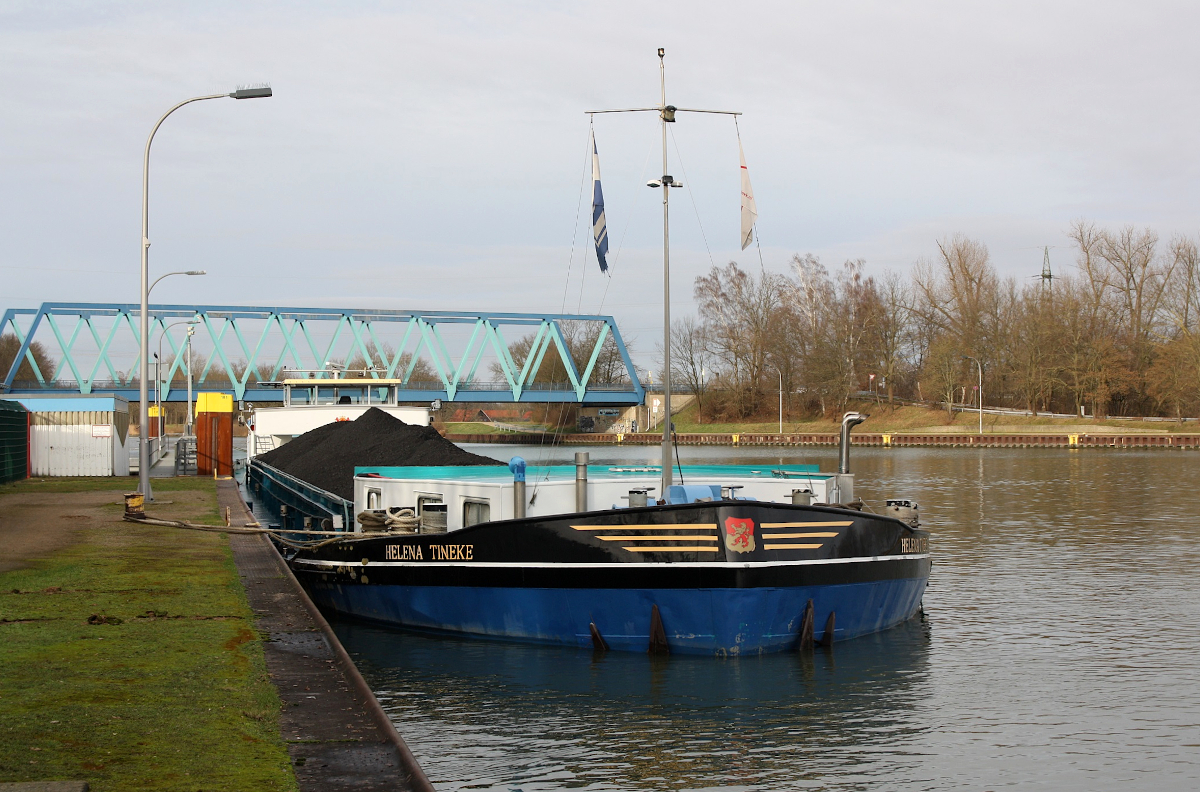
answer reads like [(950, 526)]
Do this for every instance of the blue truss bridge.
[(454, 356)]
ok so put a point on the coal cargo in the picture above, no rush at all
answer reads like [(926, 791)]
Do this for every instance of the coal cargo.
[(326, 456)]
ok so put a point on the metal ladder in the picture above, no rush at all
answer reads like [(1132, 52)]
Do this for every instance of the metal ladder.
[(185, 456), (263, 444)]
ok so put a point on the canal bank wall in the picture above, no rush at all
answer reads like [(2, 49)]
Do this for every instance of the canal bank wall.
[(338, 736), (885, 440)]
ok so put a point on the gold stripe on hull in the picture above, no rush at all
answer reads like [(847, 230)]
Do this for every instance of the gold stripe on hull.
[(838, 524), (658, 538), (651, 527), (790, 546), (816, 535), (670, 549)]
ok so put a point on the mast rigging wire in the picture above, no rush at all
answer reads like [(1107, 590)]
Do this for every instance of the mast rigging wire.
[(575, 230), (692, 197)]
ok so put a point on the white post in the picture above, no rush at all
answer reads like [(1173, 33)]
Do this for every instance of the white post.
[(158, 395), (190, 332), (979, 366), (780, 400)]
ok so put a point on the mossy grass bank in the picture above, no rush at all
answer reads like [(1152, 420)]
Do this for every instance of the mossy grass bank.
[(130, 657)]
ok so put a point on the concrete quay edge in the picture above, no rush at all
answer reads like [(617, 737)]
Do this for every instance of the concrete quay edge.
[(318, 683)]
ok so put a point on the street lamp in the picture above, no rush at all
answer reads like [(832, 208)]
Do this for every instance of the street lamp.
[(144, 322), (980, 367), (158, 358), (169, 274)]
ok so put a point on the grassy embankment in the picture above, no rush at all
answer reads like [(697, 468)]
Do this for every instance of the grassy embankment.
[(922, 420), (130, 659), (904, 419)]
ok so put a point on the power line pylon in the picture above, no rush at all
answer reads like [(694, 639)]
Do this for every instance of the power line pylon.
[(1047, 275)]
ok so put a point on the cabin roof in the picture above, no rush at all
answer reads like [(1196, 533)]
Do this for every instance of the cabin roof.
[(490, 474)]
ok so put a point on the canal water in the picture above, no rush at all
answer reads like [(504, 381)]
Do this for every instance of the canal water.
[(1059, 648)]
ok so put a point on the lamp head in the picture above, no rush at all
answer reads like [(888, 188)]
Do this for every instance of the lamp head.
[(258, 92), (196, 272)]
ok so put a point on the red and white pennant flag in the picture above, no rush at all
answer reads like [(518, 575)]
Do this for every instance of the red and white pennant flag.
[(749, 210)]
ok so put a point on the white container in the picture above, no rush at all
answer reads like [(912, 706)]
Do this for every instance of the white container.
[(72, 435)]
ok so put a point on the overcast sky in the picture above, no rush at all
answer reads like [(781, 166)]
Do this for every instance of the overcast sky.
[(431, 155)]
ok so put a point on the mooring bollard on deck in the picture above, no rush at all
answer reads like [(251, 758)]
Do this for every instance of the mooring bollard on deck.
[(581, 464), (517, 466)]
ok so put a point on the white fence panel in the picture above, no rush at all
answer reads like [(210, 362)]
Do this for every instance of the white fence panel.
[(75, 444)]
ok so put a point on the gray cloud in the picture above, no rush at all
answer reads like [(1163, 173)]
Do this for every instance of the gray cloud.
[(432, 155)]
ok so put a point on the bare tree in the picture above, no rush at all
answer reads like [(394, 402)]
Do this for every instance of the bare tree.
[(10, 347), (691, 359), (894, 330), (739, 310), (580, 338)]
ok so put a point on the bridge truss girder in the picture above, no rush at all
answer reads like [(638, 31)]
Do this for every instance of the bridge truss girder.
[(293, 333)]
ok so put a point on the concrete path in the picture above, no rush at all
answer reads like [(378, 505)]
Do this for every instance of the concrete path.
[(36, 524)]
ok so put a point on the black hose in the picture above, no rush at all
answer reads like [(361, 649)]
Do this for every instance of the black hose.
[(675, 442)]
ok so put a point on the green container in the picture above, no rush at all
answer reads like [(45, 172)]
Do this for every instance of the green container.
[(14, 442)]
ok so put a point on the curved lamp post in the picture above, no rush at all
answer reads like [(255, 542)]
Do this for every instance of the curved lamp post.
[(161, 336), (144, 322), (158, 357), (169, 274)]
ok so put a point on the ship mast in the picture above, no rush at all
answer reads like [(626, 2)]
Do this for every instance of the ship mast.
[(666, 114)]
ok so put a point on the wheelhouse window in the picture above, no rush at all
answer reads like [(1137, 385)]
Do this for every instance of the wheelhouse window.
[(476, 511), (424, 498), (374, 499)]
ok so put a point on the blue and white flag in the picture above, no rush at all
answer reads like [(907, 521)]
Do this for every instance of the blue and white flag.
[(599, 228)]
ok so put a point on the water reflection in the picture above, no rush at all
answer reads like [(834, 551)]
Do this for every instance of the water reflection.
[(484, 715)]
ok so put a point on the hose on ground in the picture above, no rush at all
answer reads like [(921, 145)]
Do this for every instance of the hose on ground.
[(275, 534)]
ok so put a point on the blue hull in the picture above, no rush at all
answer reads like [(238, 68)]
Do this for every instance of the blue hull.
[(709, 621)]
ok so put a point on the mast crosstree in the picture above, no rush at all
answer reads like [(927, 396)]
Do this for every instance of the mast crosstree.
[(666, 114)]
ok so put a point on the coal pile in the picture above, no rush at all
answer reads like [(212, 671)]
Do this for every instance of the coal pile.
[(326, 456)]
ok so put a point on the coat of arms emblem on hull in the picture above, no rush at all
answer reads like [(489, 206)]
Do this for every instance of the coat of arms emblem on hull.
[(739, 534)]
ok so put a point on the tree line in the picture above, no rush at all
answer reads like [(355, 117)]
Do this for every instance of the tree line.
[(1118, 335)]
